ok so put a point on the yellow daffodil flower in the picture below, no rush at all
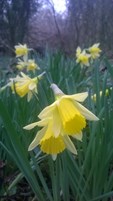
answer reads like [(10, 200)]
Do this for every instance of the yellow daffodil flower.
[(21, 65), (21, 50), (82, 57), (63, 119), (24, 85), (31, 65), (95, 51)]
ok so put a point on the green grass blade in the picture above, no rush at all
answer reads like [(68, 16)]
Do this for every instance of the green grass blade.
[(19, 155)]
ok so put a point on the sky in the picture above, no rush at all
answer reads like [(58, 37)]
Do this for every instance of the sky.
[(59, 5)]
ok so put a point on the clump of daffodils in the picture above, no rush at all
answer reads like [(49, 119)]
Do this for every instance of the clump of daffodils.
[(84, 56), (23, 61), (60, 121)]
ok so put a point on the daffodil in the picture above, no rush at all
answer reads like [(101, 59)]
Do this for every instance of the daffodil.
[(95, 51), (31, 65), (24, 85), (21, 50), (21, 65), (82, 57), (60, 121)]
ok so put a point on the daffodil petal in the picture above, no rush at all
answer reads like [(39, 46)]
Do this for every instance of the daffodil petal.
[(86, 113), (29, 96), (96, 44), (56, 123), (69, 144), (24, 75), (32, 86), (54, 156), (30, 126), (77, 97), (46, 112), (43, 122), (78, 51), (48, 132), (78, 136), (37, 139)]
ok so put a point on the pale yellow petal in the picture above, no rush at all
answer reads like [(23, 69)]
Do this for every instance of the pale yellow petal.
[(86, 113), (43, 122), (78, 136), (32, 86), (30, 126), (29, 96), (69, 144), (49, 132), (24, 75), (47, 112), (56, 123), (37, 139), (54, 157), (78, 97), (78, 51)]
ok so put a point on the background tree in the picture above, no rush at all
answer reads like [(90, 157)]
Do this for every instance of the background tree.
[(37, 23), (14, 18), (91, 21)]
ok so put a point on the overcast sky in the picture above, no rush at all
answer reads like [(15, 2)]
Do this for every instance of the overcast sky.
[(59, 5)]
